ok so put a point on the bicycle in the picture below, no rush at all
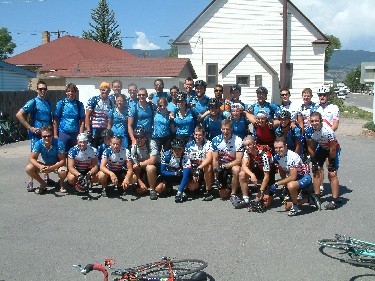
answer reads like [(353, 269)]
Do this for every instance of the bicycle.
[(164, 270), (9, 131), (361, 253)]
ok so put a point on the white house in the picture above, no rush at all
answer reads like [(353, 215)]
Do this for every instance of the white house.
[(241, 41), (14, 78)]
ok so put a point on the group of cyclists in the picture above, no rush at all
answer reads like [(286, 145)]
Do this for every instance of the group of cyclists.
[(149, 142)]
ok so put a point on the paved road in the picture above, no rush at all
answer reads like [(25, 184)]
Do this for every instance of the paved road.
[(42, 236), (363, 101)]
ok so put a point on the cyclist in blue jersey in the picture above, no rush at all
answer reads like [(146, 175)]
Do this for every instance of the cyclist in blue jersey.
[(172, 106), (159, 92), (183, 119), (239, 121), (40, 112), (188, 86), (261, 104), (212, 122), (235, 92), (306, 107), (199, 152), (133, 95), (97, 110), (52, 152), (175, 168), (69, 118), (141, 115), (199, 103), (107, 135), (227, 153), (116, 88), (291, 132), (161, 135), (118, 120), (116, 166), (82, 161)]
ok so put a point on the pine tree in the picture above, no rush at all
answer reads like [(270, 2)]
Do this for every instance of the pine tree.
[(105, 27)]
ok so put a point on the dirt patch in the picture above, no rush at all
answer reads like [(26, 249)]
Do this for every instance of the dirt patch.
[(353, 127)]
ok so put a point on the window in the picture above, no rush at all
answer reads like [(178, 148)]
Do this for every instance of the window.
[(258, 80), (243, 80), (211, 74)]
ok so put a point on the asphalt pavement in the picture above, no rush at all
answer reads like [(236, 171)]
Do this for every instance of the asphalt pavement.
[(42, 236)]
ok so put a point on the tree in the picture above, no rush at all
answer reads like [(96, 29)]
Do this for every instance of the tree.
[(6, 45), (352, 80), (334, 44), (105, 29), (173, 51)]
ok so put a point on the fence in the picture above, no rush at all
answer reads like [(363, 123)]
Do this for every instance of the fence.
[(12, 101)]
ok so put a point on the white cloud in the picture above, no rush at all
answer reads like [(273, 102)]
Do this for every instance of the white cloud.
[(351, 21), (143, 43)]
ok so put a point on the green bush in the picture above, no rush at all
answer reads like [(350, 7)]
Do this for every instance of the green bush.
[(370, 126)]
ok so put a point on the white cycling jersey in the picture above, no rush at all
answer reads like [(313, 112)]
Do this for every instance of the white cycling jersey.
[(227, 149), (329, 112), (291, 160), (323, 137), (197, 153), (116, 161), (82, 158)]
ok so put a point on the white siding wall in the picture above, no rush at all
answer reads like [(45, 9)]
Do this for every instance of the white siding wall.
[(90, 87), (229, 25), (13, 81)]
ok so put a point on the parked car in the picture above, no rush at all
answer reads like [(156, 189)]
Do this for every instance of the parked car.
[(342, 94)]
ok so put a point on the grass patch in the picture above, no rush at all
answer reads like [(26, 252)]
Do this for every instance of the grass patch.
[(350, 111), (370, 126)]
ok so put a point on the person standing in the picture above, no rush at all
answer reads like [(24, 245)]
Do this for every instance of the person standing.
[(40, 111), (69, 118), (159, 92)]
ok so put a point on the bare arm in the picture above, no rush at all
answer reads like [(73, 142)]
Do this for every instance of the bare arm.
[(87, 119), (130, 130)]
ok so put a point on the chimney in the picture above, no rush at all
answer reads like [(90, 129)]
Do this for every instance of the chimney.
[(46, 37)]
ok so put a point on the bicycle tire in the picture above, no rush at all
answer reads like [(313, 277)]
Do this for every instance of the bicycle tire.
[(179, 267), (366, 262), (337, 244)]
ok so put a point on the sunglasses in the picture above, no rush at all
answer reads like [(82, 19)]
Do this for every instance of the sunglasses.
[(46, 136), (162, 105), (218, 90), (42, 89), (319, 95), (283, 95), (142, 95)]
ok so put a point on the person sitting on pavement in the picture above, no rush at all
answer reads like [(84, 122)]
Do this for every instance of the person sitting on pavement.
[(107, 135), (293, 172), (257, 164), (82, 163), (52, 152), (97, 109), (116, 165), (175, 168), (322, 145), (199, 151), (227, 153), (69, 118), (145, 161)]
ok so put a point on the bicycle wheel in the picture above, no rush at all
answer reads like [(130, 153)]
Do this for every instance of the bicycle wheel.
[(179, 267), (336, 244), (366, 262)]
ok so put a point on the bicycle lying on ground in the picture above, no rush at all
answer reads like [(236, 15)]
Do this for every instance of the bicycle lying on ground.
[(361, 253), (164, 270), (9, 130)]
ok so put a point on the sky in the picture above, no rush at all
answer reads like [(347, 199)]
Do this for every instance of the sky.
[(146, 24)]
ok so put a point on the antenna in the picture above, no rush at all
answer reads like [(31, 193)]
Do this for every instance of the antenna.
[(58, 32)]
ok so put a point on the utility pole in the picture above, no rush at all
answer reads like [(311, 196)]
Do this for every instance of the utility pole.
[(58, 32)]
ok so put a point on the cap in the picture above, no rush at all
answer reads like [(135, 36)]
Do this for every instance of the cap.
[(104, 85), (237, 105), (82, 137)]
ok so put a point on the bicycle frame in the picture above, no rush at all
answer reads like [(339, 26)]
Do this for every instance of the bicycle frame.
[(359, 247)]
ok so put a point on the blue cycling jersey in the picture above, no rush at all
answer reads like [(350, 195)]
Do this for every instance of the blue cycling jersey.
[(119, 121), (212, 127), (50, 156), (154, 97), (143, 117), (69, 115), (40, 111), (240, 126), (162, 125), (185, 125), (291, 138), (272, 109), (200, 106), (172, 107)]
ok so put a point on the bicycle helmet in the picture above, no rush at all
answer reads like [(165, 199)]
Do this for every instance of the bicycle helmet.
[(285, 114), (139, 132), (200, 83), (177, 143), (235, 87), (323, 91), (181, 96), (107, 133), (262, 89), (213, 103)]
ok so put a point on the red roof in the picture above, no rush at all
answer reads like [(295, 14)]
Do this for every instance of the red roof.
[(126, 67), (66, 51)]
